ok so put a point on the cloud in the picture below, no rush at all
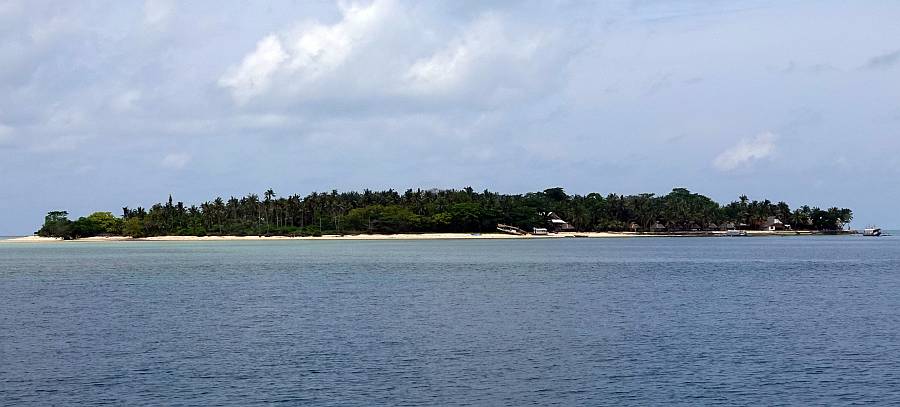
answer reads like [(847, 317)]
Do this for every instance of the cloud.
[(482, 44), (443, 69), (68, 142), (303, 54), (884, 60), (50, 30), (9, 8), (254, 75), (746, 151), (6, 135), (389, 54), (505, 95), (176, 161), (318, 49), (126, 101), (156, 12)]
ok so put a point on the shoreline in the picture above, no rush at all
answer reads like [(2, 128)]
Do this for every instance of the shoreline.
[(406, 236)]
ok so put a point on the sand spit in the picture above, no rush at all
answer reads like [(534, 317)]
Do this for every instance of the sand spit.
[(400, 236)]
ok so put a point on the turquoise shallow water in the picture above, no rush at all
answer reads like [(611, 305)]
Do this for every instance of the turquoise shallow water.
[(567, 321)]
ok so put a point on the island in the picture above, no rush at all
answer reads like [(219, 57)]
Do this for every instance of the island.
[(449, 213)]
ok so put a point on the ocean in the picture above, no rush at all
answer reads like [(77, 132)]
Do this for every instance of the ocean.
[(631, 321)]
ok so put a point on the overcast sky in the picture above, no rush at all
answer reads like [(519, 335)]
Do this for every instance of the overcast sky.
[(120, 103)]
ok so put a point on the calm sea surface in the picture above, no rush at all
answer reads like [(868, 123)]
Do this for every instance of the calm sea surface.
[(762, 321)]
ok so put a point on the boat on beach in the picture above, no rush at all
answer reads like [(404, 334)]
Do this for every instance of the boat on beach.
[(735, 233), (510, 230)]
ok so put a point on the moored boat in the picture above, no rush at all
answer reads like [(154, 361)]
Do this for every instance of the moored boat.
[(511, 230), (872, 231)]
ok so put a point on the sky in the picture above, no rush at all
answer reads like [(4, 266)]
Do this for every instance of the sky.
[(105, 104)]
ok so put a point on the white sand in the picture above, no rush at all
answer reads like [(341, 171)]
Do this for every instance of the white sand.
[(401, 236)]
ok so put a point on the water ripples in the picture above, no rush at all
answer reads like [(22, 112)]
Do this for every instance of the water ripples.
[(574, 322)]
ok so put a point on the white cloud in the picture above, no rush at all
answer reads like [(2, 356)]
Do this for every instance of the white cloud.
[(6, 134), (10, 8), (254, 76), (484, 42), (176, 161), (156, 12), (319, 48), (68, 142), (746, 151), (394, 52), (303, 54), (126, 101), (442, 68), (47, 31)]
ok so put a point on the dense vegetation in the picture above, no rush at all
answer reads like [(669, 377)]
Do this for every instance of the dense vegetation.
[(438, 211)]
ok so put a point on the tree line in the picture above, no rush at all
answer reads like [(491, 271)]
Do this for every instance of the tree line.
[(451, 210)]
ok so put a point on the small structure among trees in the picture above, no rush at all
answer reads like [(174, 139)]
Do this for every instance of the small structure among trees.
[(773, 224), (557, 224)]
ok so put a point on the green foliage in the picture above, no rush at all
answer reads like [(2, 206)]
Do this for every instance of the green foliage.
[(133, 227), (441, 221), (84, 227), (56, 224), (106, 223), (470, 216), (556, 194), (438, 211), (383, 219), (831, 219), (314, 231)]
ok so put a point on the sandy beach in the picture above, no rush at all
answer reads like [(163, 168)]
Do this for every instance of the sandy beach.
[(400, 236)]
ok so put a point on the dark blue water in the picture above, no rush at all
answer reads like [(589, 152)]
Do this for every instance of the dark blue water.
[(727, 321)]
